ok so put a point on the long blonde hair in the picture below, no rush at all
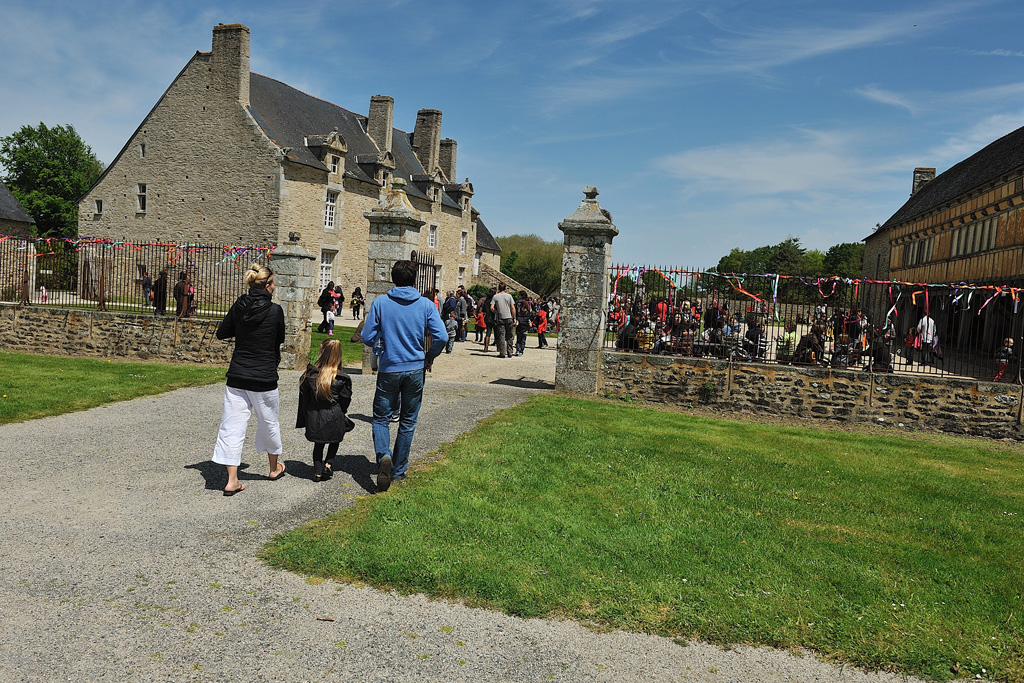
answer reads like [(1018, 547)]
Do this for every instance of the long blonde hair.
[(258, 276), (328, 364)]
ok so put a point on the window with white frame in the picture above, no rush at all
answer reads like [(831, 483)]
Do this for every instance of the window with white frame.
[(334, 163), (463, 241), (476, 263), (326, 267), (462, 276), (141, 197), (332, 203), (432, 237)]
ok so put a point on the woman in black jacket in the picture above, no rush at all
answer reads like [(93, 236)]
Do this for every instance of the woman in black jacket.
[(325, 393), (257, 324)]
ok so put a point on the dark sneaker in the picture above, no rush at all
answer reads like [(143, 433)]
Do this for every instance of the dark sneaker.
[(384, 474), (398, 479)]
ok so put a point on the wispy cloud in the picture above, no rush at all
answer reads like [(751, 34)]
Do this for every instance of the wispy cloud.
[(809, 162), (739, 49), (877, 94)]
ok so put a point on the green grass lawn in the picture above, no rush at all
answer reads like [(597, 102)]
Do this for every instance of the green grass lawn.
[(886, 552), (34, 386), (351, 352)]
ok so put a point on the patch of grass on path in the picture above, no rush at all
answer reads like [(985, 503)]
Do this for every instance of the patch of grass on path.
[(34, 386), (885, 552)]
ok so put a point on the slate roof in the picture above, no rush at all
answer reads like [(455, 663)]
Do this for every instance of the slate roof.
[(11, 209), (288, 116), (1002, 156), (484, 238)]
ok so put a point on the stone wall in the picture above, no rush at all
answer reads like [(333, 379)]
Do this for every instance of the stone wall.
[(958, 406), (123, 336), (219, 183)]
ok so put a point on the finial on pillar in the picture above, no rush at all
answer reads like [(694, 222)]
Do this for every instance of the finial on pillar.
[(591, 192)]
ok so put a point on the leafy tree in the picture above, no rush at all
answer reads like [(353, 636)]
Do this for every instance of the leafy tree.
[(845, 260), (627, 285), (813, 263), (787, 257), (508, 263), (534, 262), (48, 170)]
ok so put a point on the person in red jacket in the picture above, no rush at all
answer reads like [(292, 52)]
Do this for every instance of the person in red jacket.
[(542, 327)]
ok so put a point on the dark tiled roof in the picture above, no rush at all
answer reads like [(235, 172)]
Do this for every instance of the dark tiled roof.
[(288, 116), (1002, 156), (484, 238), (11, 209)]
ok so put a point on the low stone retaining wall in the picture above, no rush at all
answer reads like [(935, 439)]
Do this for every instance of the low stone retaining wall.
[(126, 336), (959, 406)]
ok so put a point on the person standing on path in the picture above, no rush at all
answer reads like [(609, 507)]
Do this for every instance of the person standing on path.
[(542, 327), (257, 324), (396, 326), (928, 331), (462, 314), (504, 307)]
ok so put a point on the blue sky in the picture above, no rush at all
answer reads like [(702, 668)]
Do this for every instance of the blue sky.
[(705, 125)]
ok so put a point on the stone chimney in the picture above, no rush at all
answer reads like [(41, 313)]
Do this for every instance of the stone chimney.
[(380, 122), (230, 61), (922, 176), (426, 138), (446, 159)]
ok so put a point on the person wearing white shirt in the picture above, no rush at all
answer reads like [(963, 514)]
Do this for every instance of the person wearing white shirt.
[(927, 329)]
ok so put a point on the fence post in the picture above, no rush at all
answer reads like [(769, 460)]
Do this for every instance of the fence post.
[(295, 289), (394, 233), (586, 259)]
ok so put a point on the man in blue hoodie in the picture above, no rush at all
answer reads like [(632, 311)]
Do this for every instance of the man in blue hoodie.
[(396, 327)]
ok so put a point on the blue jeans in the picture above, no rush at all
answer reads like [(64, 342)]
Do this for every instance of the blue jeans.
[(401, 391)]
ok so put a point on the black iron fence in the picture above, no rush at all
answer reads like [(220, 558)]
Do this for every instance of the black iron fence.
[(966, 329), (99, 274)]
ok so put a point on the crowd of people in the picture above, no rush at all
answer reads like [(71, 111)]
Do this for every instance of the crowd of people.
[(509, 319), (843, 338), (331, 303)]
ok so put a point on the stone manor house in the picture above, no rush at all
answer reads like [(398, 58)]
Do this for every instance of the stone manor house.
[(229, 157)]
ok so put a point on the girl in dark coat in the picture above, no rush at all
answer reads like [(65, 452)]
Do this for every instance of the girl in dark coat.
[(325, 393)]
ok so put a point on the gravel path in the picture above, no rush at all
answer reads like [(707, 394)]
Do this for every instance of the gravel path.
[(122, 561)]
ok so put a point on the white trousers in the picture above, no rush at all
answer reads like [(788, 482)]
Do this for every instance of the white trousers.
[(239, 404)]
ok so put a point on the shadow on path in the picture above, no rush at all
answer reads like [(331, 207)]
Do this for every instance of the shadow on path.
[(216, 476), (523, 383)]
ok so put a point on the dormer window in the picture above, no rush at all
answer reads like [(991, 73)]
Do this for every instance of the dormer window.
[(335, 161)]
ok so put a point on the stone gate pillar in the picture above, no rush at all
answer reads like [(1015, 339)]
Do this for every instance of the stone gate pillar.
[(394, 234), (586, 260), (295, 289)]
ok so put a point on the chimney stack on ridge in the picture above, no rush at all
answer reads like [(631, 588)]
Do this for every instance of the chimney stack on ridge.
[(230, 61), (426, 138), (922, 176), (380, 122), (446, 160)]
